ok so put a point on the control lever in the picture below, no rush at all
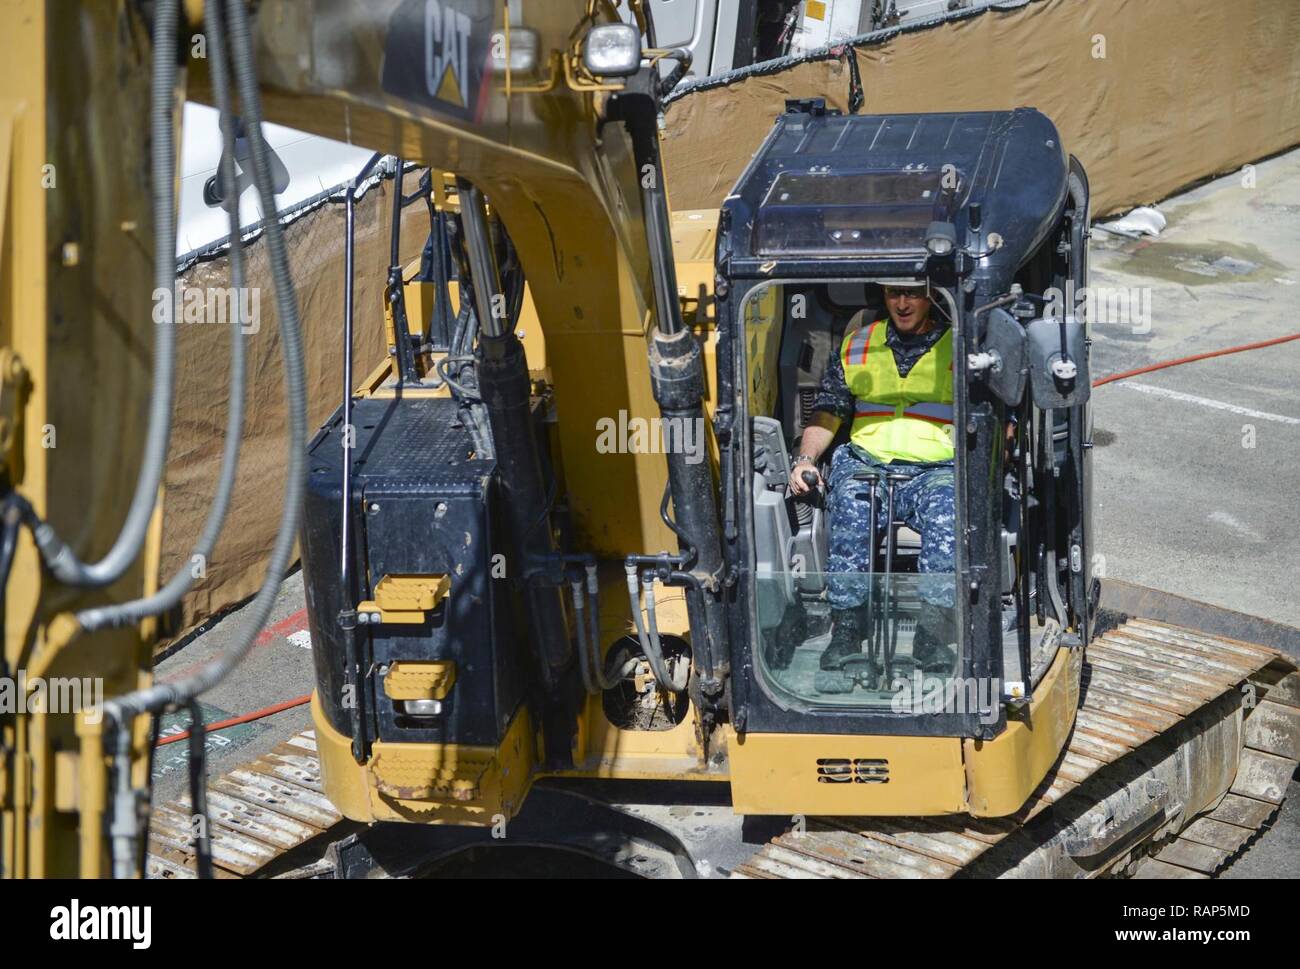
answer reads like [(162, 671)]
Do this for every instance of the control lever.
[(814, 495)]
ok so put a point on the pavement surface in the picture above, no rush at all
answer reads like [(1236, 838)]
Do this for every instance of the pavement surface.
[(1197, 471), (1197, 467), (277, 668)]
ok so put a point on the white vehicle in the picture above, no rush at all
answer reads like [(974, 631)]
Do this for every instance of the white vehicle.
[(307, 170), (724, 35)]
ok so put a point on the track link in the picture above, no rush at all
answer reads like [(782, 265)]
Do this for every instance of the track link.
[(259, 814)]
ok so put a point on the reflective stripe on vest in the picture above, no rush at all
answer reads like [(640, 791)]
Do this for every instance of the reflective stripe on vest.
[(899, 418), (939, 413), (856, 346)]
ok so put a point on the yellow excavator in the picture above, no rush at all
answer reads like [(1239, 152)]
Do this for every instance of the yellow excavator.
[(548, 546)]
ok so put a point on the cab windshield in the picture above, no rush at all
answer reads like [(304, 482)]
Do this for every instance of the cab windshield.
[(874, 629)]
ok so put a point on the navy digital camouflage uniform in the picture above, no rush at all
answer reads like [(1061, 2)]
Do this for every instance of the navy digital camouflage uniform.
[(925, 502)]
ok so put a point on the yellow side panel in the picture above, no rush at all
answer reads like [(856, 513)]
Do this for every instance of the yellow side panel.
[(778, 774), (343, 779), (477, 785), (1002, 773), (673, 755)]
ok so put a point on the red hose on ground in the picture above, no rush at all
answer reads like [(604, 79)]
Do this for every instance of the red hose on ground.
[(299, 701), (244, 718), (1200, 356)]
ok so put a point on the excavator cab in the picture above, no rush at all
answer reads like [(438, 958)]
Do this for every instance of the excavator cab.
[(990, 214)]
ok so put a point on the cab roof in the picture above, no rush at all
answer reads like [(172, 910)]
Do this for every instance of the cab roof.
[(826, 189)]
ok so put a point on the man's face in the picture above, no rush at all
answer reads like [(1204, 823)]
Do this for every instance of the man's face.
[(908, 308)]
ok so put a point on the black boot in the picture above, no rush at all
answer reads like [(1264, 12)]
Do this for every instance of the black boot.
[(934, 647), (845, 645)]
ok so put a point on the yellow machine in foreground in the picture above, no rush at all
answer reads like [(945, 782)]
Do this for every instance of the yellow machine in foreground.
[(548, 545)]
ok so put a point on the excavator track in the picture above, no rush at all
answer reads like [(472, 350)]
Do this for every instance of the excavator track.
[(1157, 701), (1153, 695), (258, 814)]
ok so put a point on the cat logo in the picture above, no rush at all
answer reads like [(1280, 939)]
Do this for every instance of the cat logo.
[(446, 52), (436, 54)]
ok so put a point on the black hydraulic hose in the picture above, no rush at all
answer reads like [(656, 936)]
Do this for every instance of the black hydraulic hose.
[(683, 57), (441, 339), (58, 556), (459, 389), (181, 691), (403, 351), (460, 344), (198, 792), (130, 613), (11, 522), (426, 191), (485, 271), (395, 230), (688, 550), (142, 856)]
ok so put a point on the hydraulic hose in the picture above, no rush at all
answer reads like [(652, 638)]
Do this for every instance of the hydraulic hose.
[(584, 638), (460, 389), (11, 521), (181, 691), (58, 556), (620, 663), (130, 613), (596, 676), (1195, 357), (273, 709), (649, 637), (678, 680), (199, 791)]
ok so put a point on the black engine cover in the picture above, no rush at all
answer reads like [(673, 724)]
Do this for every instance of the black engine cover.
[(423, 503)]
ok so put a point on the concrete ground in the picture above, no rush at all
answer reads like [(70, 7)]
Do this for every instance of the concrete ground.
[(1196, 467), (1197, 473), (277, 668), (1197, 476)]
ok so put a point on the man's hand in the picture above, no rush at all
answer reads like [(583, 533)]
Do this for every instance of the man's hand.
[(817, 437), (797, 484)]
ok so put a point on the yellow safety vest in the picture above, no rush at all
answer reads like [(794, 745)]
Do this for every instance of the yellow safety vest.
[(899, 418)]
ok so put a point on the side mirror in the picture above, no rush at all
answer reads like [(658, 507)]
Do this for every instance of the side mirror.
[(1056, 380), (612, 50), (1004, 358)]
